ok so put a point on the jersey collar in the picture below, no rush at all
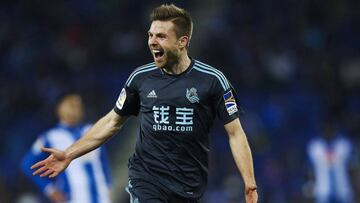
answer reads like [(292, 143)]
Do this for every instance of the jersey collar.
[(188, 69)]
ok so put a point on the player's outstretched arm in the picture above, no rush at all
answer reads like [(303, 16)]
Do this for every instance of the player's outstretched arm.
[(58, 160), (242, 155), (53, 165)]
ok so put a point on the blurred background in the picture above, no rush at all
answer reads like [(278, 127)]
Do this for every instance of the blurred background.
[(295, 65)]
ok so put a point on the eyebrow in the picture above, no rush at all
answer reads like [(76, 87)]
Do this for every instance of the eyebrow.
[(159, 33)]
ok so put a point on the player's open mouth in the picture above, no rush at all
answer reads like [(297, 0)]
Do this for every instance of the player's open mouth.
[(158, 54)]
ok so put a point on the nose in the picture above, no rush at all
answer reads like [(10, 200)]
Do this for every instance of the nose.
[(152, 41)]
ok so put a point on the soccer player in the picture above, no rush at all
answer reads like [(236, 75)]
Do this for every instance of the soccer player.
[(331, 154), (177, 99), (87, 179)]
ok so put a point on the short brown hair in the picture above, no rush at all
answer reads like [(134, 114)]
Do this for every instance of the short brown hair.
[(181, 18)]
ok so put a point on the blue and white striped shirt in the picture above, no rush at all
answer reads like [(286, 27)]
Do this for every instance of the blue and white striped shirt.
[(87, 178)]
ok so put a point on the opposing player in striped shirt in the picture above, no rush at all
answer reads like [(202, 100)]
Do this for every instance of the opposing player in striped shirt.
[(87, 179)]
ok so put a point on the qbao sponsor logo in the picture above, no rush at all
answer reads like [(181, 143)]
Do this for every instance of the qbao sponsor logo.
[(183, 119), (172, 128)]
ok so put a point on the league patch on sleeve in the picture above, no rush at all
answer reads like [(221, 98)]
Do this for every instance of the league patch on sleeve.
[(121, 100), (230, 103)]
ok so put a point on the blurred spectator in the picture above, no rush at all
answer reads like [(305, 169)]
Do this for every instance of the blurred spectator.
[(330, 155), (86, 179)]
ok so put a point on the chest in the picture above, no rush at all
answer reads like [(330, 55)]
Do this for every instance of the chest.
[(174, 91)]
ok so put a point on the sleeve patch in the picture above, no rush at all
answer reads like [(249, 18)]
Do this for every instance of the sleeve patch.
[(121, 100), (230, 103)]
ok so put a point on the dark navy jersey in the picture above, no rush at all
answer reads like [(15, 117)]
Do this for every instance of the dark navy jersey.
[(176, 113)]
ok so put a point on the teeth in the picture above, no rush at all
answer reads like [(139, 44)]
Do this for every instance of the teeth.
[(156, 51)]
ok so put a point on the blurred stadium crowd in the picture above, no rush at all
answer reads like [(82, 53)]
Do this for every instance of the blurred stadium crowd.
[(294, 64)]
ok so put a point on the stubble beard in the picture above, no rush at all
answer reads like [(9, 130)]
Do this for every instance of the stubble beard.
[(172, 60)]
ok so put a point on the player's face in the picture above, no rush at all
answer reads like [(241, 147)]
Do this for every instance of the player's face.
[(70, 110), (163, 43)]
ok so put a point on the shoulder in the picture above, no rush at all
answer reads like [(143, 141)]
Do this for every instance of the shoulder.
[(316, 141), (84, 128), (344, 141), (39, 142), (54, 133), (214, 73), (43, 139), (58, 134), (50, 132), (141, 72), (316, 145)]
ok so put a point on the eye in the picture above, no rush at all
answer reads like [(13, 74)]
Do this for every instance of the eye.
[(161, 36)]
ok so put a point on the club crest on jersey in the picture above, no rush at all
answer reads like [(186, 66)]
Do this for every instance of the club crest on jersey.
[(121, 100), (192, 96), (230, 103)]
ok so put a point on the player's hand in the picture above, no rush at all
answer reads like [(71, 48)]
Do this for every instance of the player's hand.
[(251, 194), (57, 196), (53, 165)]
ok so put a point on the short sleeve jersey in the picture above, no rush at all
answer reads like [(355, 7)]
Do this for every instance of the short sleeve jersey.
[(175, 113)]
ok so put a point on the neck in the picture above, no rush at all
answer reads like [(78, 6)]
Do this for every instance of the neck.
[(179, 67), (68, 123)]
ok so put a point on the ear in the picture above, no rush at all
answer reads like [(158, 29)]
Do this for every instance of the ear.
[(183, 41)]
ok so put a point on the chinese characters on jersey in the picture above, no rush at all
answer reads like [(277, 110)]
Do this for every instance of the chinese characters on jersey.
[(183, 119)]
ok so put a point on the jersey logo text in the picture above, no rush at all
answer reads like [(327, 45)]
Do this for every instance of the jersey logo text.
[(183, 119)]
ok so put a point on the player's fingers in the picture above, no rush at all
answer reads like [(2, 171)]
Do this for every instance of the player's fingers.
[(47, 173), (40, 170), (38, 164), (54, 174)]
